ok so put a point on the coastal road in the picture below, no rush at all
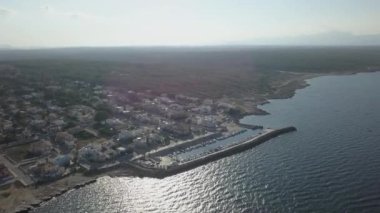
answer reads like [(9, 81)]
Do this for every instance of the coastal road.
[(16, 172)]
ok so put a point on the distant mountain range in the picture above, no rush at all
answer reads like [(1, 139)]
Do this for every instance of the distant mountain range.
[(5, 46), (324, 39), (332, 38)]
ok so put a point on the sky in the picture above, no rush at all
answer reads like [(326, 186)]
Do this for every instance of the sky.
[(67, 23)]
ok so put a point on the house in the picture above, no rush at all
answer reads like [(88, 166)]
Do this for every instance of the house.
[(203, 109), (83, 114), (208, 102), (154, 138), (177, 130), (41, 148), (38, 124), (62, 160), (66, 141), (126, 136), (46, 170), (207, 122), (91, 153), (114, 122), (98, 153), (7, 125)]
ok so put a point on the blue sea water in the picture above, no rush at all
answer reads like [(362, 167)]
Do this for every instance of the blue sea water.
[(331, 164)]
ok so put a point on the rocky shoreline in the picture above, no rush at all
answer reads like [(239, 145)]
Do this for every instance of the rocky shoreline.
[(40, 202)]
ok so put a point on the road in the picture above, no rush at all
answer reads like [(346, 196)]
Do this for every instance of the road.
[(16, 172)]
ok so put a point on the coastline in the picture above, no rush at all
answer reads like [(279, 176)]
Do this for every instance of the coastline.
[(284, 91), (288, 90), (43, 193), (131, 169)]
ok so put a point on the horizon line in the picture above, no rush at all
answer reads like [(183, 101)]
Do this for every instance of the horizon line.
[(10, 47)]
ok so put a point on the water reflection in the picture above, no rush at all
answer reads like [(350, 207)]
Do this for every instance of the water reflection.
[(330, 164)]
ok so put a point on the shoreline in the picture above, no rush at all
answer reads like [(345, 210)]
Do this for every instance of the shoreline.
[(139, 171), (45, 192), (300, 83)]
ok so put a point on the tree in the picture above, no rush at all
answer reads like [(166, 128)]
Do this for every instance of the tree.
[(101, 116)]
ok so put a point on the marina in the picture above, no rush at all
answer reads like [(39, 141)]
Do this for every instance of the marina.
[(189, 157), (214, 145)]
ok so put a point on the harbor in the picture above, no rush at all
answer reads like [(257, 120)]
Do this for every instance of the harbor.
[(162, 164)]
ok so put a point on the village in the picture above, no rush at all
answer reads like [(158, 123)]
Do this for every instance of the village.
[(51, 129)]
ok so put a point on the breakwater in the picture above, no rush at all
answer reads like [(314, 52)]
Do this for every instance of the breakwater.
[(177, 168)]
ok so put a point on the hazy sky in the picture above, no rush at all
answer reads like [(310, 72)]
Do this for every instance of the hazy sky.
[(45, 23)]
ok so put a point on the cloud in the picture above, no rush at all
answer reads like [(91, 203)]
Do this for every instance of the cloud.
[(47, 8), (4, 12), (72, 15), (80, 15)]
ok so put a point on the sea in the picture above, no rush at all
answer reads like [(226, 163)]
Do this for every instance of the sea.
[(331, 164)]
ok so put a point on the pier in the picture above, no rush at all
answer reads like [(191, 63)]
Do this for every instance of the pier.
[(250, 126)]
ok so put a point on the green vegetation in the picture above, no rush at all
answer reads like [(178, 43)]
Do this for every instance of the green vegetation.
[(201, 72), (107, 131), (101, 116), (18, 153), (5, 194), (83, 135)]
